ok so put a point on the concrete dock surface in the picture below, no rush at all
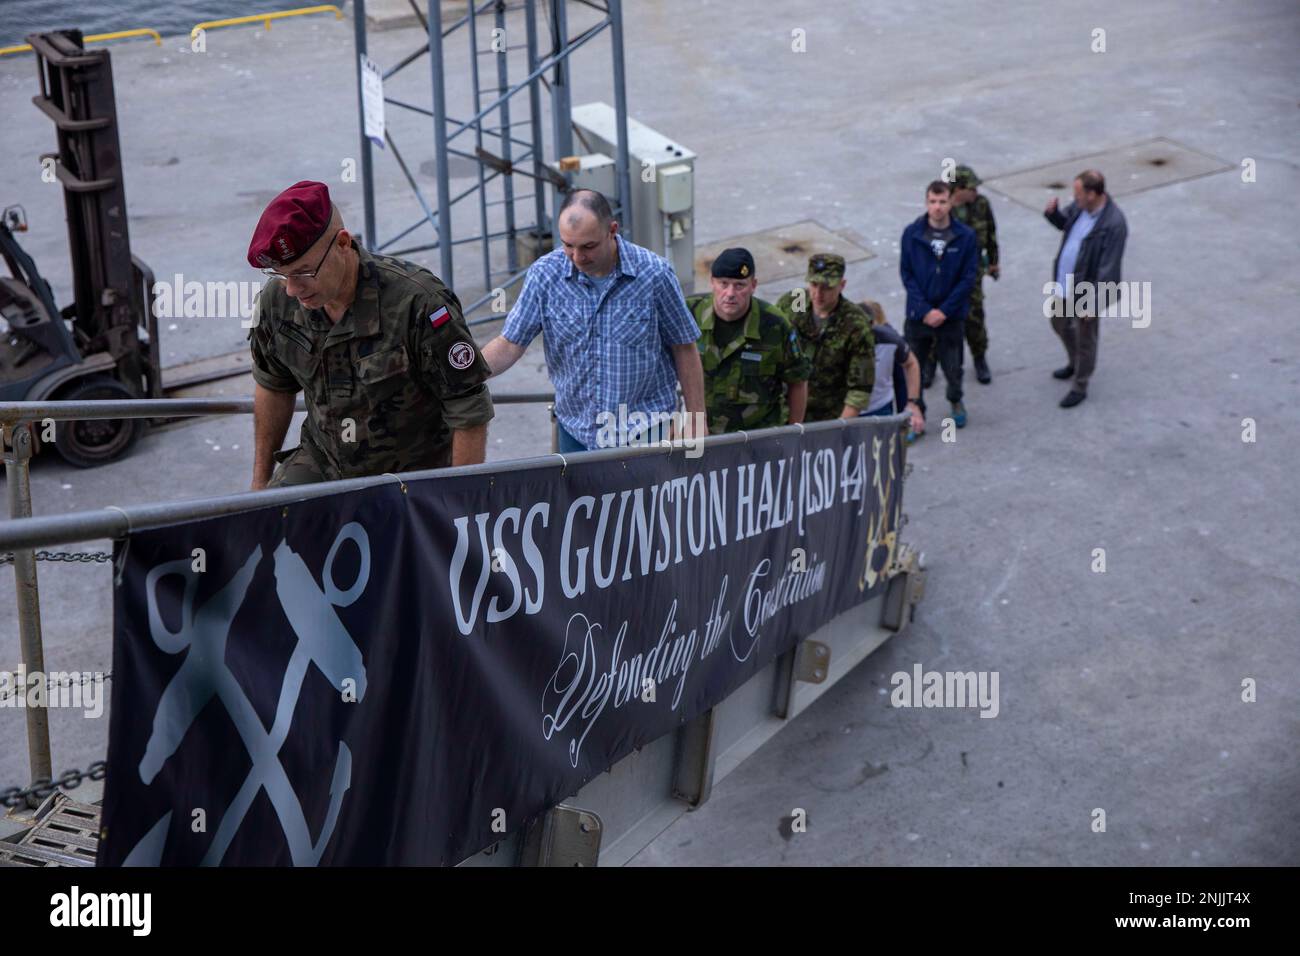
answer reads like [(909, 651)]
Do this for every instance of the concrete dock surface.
[(1120, 691)]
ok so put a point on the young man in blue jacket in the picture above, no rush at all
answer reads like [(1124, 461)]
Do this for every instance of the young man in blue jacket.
[(938, 258)]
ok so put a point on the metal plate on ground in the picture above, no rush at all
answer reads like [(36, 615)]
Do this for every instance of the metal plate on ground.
[(780, 253), (1128, 170), (66, 834)]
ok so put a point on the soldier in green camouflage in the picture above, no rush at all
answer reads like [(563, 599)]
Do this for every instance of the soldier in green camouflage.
[(836, 336), (390, 374), (755, 373), (973, 209)]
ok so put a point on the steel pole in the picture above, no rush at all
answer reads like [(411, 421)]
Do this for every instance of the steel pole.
[(437, 67), (561, 104), (621, 171), (367, 174), (478, 142), (535, 117), (18, 452), (508, 181)]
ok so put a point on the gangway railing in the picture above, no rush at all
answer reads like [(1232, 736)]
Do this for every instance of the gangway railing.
[(17, 421), (617, 806)]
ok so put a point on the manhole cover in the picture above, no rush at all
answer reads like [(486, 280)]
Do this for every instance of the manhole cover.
[(780, 253), (1128, 170)]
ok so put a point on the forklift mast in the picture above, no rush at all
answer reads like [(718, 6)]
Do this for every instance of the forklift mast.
[(113, 289)]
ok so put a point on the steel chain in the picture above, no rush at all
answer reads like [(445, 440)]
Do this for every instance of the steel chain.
[(12, 797), (51, 683), (71, 557)]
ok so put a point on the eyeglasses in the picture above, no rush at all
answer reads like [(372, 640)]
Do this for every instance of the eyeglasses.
[(272, 273)]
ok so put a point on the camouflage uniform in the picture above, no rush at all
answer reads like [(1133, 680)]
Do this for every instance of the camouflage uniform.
[(842, 349), (977, 214), (383, 385), (745, 380)]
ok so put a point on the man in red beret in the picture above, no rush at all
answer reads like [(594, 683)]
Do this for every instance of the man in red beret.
[(391, 376)]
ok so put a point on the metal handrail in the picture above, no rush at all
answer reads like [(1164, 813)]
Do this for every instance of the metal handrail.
[(265, 18), (14, 412), (117, 35), (16, 419), (21, 533)]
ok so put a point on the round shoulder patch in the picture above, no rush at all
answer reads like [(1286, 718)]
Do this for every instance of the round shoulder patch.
[(461, 355)]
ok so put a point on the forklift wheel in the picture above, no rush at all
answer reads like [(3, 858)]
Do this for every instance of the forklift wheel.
[(86, 444)]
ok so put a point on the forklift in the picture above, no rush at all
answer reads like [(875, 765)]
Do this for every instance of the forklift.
[(105, 344)]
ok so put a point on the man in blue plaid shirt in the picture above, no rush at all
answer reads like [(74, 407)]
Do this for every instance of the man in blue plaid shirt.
[(618, 335)]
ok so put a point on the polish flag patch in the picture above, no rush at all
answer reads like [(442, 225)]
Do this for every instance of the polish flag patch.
[(441, 317)]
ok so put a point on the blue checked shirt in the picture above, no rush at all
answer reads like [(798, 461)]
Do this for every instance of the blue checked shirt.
[(609, 345)]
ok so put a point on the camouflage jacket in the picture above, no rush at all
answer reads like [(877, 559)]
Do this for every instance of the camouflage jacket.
[(385, 384), (745, 380), (978, 214), (843, 354)]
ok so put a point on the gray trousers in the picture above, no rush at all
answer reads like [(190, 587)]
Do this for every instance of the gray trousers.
[(1079, 336)]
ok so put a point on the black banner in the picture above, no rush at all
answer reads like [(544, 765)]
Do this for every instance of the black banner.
[(397, 676)]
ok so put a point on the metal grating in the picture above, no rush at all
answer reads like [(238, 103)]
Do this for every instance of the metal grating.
[(66, 834), (1128, 169)]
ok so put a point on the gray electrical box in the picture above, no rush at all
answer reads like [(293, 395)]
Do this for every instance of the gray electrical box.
[(662, 173), (595, 171)]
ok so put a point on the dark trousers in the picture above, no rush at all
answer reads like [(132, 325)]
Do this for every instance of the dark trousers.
[(1080, 337), (949, 344), (295, 466)]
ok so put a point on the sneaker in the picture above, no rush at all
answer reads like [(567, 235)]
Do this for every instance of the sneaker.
[(1063, 373), (982, 370), (1074, 397), (913, 437), (959, 414)]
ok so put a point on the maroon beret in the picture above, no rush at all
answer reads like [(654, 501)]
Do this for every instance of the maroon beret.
[(290, 225)]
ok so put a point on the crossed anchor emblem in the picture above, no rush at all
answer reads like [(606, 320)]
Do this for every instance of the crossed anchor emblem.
[(882, 530), (322, 640)]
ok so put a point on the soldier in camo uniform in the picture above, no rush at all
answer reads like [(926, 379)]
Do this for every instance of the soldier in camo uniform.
[(973, 209), (836, 336), (755, 373), (391, 376)]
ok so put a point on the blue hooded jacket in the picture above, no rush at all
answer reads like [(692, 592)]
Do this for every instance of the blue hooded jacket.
[(944, 284)]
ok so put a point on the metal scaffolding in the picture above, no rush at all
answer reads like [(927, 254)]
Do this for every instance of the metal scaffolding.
[(503, 149)]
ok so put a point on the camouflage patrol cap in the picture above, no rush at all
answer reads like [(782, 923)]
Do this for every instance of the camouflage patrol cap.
[(825, 268), (965, 178)]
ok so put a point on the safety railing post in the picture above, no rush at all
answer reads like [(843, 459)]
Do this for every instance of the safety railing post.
[(17, 441)]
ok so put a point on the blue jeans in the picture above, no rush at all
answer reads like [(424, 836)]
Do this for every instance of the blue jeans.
[(882, 410), (568, 444)]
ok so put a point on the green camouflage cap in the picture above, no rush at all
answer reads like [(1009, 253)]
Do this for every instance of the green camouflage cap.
[(965, 178), (825, 268)]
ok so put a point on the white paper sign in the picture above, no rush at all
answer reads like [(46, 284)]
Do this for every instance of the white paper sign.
[(372, 100)]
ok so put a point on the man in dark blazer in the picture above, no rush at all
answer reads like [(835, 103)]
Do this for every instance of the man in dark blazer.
[(1086, 275)]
